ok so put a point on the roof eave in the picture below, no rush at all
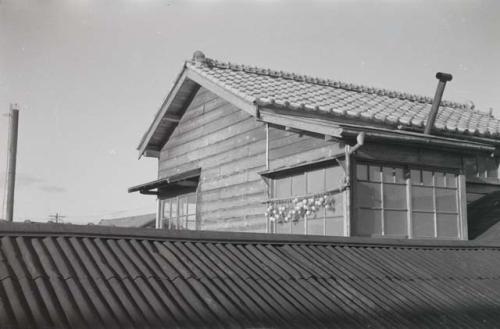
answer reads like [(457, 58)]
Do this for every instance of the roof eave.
[(234, 97), (161, 112), (340, 129)]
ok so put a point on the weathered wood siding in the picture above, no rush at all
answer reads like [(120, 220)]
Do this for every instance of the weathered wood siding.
[(229, 146), (289, 148), (409, 155)]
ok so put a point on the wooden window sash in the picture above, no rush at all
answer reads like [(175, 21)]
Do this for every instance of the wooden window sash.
[(409, 184)]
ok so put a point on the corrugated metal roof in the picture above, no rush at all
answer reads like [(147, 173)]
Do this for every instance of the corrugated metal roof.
[(344, 100), (64, 276)]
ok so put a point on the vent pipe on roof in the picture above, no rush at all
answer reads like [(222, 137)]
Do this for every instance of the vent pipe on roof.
[(443, 78), (199, 57)]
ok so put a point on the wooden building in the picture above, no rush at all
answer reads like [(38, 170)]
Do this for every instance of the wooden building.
[(242, 148)]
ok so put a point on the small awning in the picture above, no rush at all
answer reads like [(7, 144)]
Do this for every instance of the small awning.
[(185, 179)]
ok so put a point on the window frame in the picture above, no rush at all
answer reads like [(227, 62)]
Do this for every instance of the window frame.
[(407, 168), (186, 215), (303, 171)]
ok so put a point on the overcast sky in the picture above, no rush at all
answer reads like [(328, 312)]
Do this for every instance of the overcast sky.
[(89, 75)]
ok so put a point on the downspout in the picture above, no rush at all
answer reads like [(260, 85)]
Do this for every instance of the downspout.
[(443, 78), (360, 139)]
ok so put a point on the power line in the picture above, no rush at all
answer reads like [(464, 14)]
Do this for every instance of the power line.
[(57, 218), (109, 212)]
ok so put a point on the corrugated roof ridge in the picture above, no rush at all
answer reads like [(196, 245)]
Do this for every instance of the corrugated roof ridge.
[(210, 62), (111, 232)]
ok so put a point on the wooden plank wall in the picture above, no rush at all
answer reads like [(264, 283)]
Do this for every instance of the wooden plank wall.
[(409, 155), (288, 148), (229, 145)]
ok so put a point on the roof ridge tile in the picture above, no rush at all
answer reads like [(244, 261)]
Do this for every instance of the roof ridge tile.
[(209, 62)]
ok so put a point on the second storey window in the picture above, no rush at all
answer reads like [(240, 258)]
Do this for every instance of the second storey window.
[(308, 202), (382, 207), (400, 201), (179, 213)]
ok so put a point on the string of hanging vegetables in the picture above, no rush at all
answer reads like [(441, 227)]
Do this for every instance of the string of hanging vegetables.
[(297, 208)]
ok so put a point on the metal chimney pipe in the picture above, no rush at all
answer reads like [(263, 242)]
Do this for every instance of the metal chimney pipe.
[(443, 78), (11, 178)]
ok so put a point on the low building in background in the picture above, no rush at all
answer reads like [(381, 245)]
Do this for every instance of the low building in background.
[(147, 220)]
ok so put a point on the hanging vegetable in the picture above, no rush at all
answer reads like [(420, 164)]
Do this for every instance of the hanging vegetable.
[(299, 207)]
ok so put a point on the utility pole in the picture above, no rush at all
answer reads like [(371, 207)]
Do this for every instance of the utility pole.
[(12, 154), (57, 218)]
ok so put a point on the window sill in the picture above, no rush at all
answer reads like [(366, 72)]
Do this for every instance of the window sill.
[(299, 166)]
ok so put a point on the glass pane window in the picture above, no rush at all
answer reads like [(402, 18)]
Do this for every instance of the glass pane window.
[(191, 222), (389, 174), (298, 227), (451, 180), (284, 227), (319, 190), (334, 177), (440, 179), (369, 195), (174, 219), (298, 185), (368, 223), (338, 206), (166, 213), (334, 226), (438, 198), (315, 181), (422, 198), (399, 175), (394, 196), (382, 206), (282, 187), (191, 208), (180, 212), (416, 177), (446, 200), (423, 225), (427, 178), (362, 172), (315, 226), (374, 173), (395, 223), (447, 225)]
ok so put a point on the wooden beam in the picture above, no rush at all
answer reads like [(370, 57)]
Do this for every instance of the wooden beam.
[(161, 113), (301, 123), (171, 118), (148, 192), (151, 153), (294, 130), (187, 183)]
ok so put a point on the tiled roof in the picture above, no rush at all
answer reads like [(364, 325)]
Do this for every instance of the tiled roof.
[(64, 276), (344, 100)]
